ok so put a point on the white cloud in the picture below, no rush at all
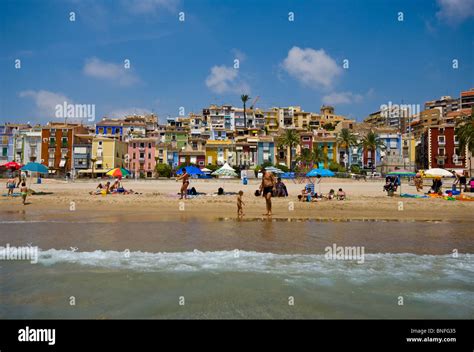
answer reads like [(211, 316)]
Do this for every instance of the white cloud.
[(339, 98), (150, 6), (224, 79), (312, 67), (239, 54), (455, 11), (97, 68), (46, 101), (121, 113)]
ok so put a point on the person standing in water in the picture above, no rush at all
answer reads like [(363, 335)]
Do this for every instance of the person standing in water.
[(266, 188), (184, 187)]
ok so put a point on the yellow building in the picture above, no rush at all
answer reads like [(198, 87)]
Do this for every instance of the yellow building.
[(108, 153), (408, 150), (218, 152), (271, 120)]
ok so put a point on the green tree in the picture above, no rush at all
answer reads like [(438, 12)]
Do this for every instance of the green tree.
[(245, 98), (309, 158), (465, 133), (289, 140), (371, 141), (163, 170), (346, 139)]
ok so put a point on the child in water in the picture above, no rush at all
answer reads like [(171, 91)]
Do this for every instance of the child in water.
[(240, 203), (24, 192)]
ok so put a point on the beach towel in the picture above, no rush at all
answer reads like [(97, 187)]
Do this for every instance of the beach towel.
[(408, 195)]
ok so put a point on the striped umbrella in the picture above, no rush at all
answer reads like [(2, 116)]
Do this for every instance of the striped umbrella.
[(118, 172)]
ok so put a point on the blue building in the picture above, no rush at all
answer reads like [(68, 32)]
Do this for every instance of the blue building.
[(109, 128), (266, 150)]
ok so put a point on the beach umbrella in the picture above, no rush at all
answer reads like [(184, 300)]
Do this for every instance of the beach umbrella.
[(402, 173), (35, 167), (437, 172), (118, 172), (191, 170), (320, 172), (274, 170), (206, 170), (12, 165), (225, 170)]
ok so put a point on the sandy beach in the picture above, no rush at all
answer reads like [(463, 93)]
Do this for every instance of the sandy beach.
[(158, 200)]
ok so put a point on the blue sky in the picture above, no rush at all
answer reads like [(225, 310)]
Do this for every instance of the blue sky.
[(190, 63)]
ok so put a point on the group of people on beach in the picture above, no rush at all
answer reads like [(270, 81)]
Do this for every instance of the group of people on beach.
[(20, 183), (108, 188)]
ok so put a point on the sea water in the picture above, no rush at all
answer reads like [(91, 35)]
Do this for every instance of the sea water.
[(232, 269)]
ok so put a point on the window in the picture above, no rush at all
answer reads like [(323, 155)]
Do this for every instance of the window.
[(149, 145), (134, 145), (441, 140), (4, 151), (100, 143), (441, 152), (109, 130), (52, 140), (149, 155), (441, 162), (142, 155), (64, 141), (142, 145)]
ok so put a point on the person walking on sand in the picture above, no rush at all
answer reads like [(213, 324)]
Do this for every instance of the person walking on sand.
[(240, 203), (11, 183), (184, 187), (418, 182), (267, 188), (24, 192)]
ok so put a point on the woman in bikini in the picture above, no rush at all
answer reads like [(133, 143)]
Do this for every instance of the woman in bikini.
[(184, 187)]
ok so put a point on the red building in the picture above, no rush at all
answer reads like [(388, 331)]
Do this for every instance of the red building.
[(306, 140), (443, 148), (57, 144)]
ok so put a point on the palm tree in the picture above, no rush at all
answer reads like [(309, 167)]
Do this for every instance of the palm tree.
[(346, 139), (310, 157), (289, 139), (245, 98), (465, 133), (372, 142)]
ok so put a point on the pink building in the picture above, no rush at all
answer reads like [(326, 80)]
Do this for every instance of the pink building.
[(141, 157)]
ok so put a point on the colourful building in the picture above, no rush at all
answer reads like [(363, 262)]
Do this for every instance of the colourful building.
[(266, 150), (218, 152), (57, 140), (108, 154), (141, 157)]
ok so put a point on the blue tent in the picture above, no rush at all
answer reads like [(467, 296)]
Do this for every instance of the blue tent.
[(191, 170), (35, 167), (320, 172)]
